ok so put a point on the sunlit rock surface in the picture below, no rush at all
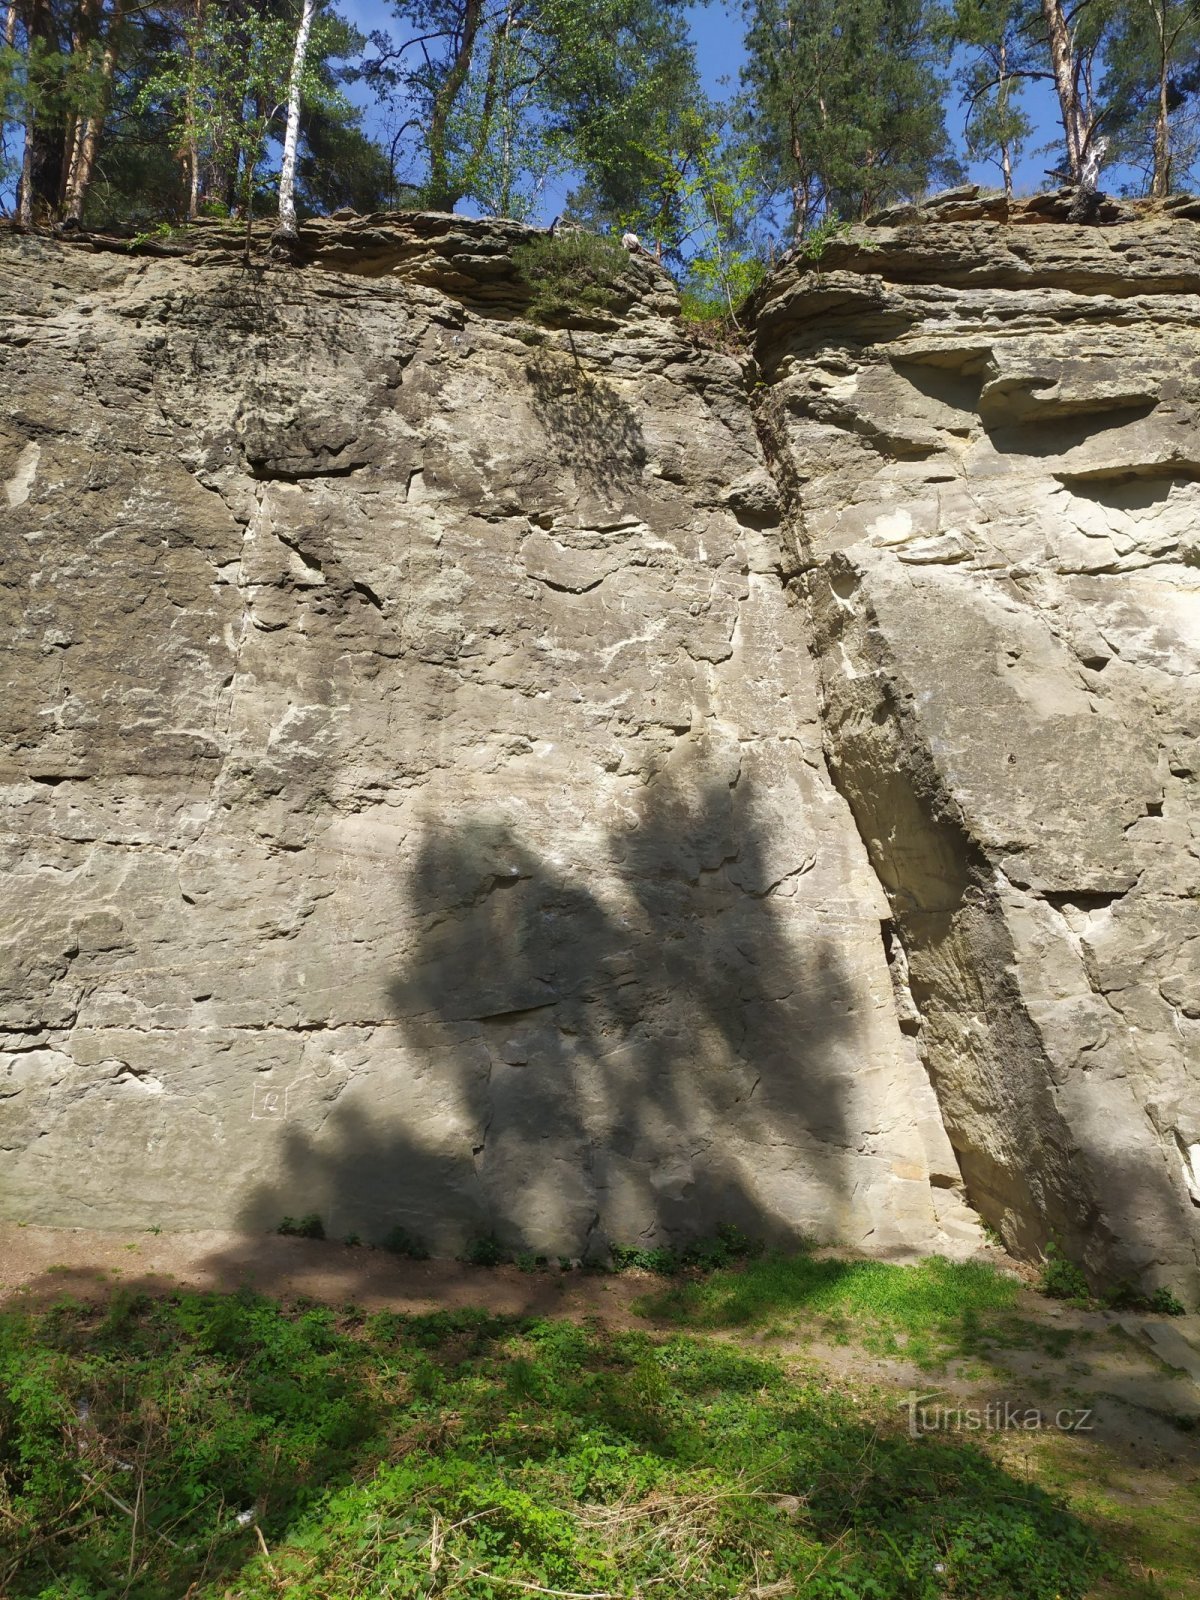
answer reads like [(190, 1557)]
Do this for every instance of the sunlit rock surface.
[(575, 785), (990, 434)]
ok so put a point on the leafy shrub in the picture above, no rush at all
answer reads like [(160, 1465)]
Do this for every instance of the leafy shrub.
[(570, 274), (485, 1252), (1062, 1279), (402, 1243), (307, 1227)]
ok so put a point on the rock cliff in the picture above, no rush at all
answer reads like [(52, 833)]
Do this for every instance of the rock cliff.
[(579, 785)]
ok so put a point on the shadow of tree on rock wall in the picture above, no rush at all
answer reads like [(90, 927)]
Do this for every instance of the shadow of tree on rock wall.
[(643, 1046), (591, 428)]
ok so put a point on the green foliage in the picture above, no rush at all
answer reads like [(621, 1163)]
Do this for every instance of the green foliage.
[(928, 1311), (306, 1227), (485, 1252), (701, 199), (495, 100), (842, 100), (571, 275), (999, 55), (729, 1244), (461, 1452), (1062, 1279), (1162, 1302), (402, 1243), (818, 239)]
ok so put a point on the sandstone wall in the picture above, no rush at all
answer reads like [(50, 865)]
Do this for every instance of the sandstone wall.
[(989, 430), (415, 802), (454, 778)]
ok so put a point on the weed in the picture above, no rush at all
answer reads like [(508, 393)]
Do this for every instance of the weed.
[(160, 233), (730, 1244), (1062, 1279), (1161, 1303), (402, 1243), (815, 243), (307, 1227), (485, 1252)]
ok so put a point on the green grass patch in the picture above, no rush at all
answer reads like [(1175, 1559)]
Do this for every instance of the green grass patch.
[(468, 1455), (926, 1312)]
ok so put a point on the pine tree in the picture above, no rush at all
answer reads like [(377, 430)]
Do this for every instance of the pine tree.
[(845, 102), (493, 99), (999, 58), (1150, 84)]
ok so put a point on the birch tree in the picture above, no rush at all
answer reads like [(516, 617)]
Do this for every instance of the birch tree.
[(999, 58), (291, 139), (1076, 39)]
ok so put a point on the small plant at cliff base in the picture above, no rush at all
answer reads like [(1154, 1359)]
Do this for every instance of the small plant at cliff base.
[(1161, 1303), (570, 273), (485, 1252), (1062, 1279), (211, 1445), (307, 1227), (729, 1244), (402, 1243)]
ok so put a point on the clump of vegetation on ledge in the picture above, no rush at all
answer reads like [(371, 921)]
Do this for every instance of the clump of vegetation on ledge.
[(208, 1443), (570, 273)]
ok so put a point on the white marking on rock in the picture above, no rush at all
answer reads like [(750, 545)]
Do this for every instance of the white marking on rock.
[(893, 527), (17, 488)]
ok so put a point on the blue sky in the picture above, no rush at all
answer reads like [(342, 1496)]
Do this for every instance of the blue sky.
[(718, 29)]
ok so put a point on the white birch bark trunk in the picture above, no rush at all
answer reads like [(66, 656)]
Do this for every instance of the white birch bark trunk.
[(1063, 63), (287, 176)]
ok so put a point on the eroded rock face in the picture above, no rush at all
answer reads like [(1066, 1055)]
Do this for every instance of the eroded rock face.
[(416, 810), (990, 435), (456, 778)]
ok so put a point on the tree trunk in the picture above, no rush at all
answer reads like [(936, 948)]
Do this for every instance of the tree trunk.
[(87, 136), (1160, 183), (25, 187), (291, 139), (1002, 96), (1062, 61), (191, 137), (442, 194), (42, 167)]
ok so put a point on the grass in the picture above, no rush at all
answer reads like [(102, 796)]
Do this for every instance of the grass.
[(155, 1448), (927, 1313)]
